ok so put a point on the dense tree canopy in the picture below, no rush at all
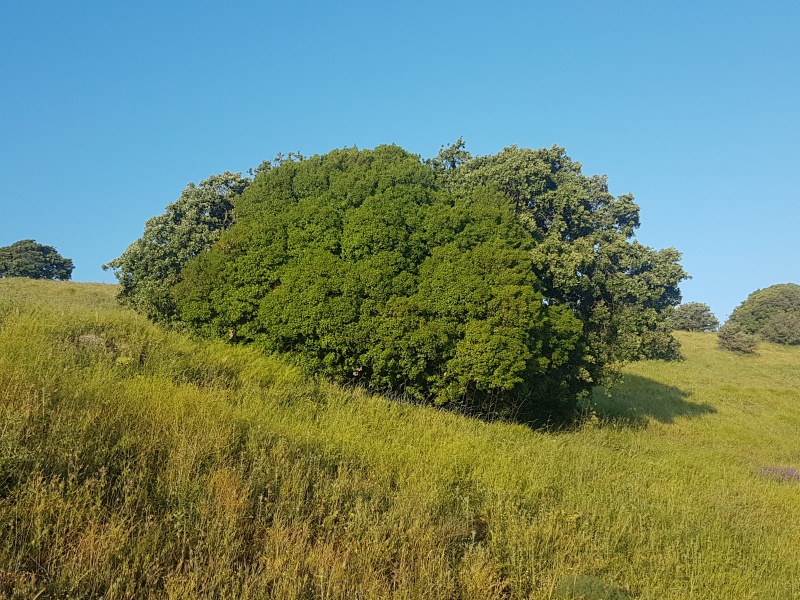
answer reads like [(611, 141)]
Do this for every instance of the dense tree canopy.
[(583, 253), (693, 316), (26, 258), (150, 266), (360, 267), (506, 283), (772, 314)]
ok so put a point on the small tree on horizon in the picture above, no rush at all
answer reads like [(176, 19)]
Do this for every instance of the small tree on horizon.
[(27, 258), (693, 316)]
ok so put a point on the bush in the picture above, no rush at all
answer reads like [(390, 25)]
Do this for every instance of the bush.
[(782, 328), (500, 283), (150, 266), (584, 251), (733, 337)]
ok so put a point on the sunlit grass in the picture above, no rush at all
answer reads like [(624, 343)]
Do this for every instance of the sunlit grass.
[(136, 463)]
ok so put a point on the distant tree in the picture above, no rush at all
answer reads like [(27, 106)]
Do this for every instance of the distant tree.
[(693, 316), (279, 159), (26, 258), (450, 157), (150, 266), (772, 314)]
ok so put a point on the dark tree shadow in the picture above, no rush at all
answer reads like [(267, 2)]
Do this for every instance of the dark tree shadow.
[(634, 400)]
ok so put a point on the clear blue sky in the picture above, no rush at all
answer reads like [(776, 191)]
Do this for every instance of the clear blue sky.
[(108, 109)]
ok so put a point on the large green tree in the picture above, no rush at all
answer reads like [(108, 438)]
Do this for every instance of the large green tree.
[(583, 249), (508, 283), (150, 266), (362, 268), (27, 258)]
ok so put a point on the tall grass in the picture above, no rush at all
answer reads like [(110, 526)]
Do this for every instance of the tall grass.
[(137, 463)]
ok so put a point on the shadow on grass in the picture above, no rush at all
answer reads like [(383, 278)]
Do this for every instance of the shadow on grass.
[(635, 400)]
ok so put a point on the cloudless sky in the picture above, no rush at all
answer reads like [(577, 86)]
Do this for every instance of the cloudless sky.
[(108, 109)]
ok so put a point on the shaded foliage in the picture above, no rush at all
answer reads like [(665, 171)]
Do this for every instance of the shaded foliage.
[(734, 338), (27, 258), (782, 328)]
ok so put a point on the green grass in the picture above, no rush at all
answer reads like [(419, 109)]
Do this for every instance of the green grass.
[(137, 463)]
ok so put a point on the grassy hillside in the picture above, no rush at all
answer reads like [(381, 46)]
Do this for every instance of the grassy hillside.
[(136, 463)]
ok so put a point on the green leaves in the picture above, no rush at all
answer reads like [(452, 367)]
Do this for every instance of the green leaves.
[(363, 269), (693, 316), (507, 283), (150, 266), (583, 254), (26, 258), (772, 314)]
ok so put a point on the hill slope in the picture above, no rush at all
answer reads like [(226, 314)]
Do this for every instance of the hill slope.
[(139, 463)]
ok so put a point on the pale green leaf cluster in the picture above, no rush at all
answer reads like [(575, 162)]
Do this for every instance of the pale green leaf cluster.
[(150, 266)]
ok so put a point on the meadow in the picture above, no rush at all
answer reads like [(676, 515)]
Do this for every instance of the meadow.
[(140, 463)]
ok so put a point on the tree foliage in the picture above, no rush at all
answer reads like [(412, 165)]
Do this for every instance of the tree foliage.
[(583, 251), (507, 283), (783, 328), (360, 267), (27, 258), (693, 316), (150, 266), (772, 314), (734, 338)]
